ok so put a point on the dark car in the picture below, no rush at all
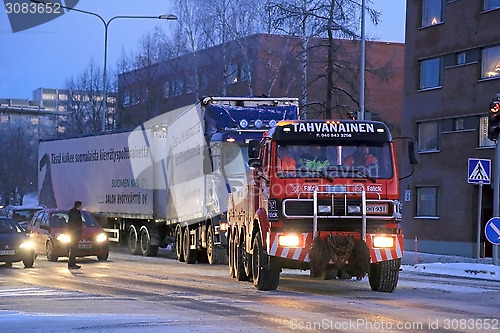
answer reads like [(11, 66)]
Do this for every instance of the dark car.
[(15, 244), (48, 230), (22, 214)]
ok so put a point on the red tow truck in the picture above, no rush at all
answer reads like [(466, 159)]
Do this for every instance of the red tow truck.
[(335, 212)]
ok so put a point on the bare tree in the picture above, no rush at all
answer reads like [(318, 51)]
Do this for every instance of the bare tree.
[(330, 19), (18, 170), (86, 100)]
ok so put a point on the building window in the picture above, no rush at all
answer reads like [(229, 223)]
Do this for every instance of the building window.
[(427, 201), (236, 73), (432, 12), (428, 136), (50, 97), (232, 74), (430, 73), (166, 89), (126, 99), (177, 87), (458, 124), (491, 62), (461, 58), (491, 4)]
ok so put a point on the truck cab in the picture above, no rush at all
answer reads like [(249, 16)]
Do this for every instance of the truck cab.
[(323, 196)]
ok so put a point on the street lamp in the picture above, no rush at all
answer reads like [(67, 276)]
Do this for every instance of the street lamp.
[(106, 24)]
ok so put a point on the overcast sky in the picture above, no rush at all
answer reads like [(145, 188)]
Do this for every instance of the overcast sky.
[(47, 55)]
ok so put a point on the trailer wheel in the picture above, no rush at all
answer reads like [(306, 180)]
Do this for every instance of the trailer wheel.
[(231, 256), (49, 252), (147, 249), (216, 254), (384, 275), (264, 276), (133, 240), (190, 255), (239, 270), (178, 244)]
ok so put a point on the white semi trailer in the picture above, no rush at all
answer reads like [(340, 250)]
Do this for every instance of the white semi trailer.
[(167, 181)]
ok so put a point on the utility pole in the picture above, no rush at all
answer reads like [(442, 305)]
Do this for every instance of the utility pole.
[(493, 134), (361, 115)]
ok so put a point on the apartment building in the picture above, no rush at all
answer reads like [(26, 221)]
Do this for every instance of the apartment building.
[(452, 71)]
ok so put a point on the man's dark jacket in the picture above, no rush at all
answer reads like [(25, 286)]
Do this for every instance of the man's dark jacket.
[(75, 223)]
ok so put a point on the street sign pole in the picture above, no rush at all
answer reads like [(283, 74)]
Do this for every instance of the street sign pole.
[(496, 194), (479, 210)]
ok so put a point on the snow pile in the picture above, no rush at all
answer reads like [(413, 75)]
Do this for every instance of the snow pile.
[(469, 270)]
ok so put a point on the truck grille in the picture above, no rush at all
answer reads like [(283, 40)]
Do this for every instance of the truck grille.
[(304, 207)]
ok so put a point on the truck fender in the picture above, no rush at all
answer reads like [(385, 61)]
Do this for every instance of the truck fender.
[(263, 224)]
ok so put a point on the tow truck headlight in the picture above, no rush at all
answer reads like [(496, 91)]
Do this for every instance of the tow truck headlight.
[(383, 241), (272, 123), (63, 238), (258, 123), (102, 237), (290, 240), (223, 226)]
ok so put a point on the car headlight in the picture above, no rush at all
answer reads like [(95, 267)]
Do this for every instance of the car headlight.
[(27, 245), (63, 238), (102, 237)]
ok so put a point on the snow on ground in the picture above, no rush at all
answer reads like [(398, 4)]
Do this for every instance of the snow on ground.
[(450, 266)]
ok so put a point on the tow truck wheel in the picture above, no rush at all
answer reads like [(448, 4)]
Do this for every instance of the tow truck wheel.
[(190, 255), (264, 277), (231, 256), (178, 244), (239, 271), (147, 249), (133, 240), (384, 275)]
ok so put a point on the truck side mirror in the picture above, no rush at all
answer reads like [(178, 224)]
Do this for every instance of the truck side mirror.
[(253, 149), (412, 160), (254, 163), (411, 153)]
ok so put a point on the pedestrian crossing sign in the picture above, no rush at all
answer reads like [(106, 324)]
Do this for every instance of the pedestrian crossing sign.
[(479, 171)]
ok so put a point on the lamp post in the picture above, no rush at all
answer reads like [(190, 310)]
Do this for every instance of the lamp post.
[(106, 25)]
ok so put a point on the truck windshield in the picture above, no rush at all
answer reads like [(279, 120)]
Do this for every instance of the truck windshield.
[(360, 160)]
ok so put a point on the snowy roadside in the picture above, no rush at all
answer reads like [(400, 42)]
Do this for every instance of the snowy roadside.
[(450, 266)]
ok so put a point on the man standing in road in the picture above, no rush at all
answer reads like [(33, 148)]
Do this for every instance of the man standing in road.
[(75, 225)]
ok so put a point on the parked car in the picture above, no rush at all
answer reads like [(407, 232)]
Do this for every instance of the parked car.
[(15, 244), (48, 230), (22, 214)]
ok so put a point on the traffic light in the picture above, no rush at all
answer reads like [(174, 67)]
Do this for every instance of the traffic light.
[(494, 120)]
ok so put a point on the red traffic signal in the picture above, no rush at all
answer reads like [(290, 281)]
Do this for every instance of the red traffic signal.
[(495, 106), (494, 120)]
